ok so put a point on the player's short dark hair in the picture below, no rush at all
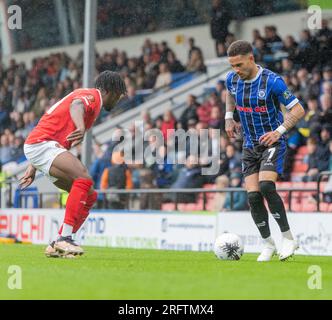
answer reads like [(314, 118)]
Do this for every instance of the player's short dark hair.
[(110, 81), (239, 47)]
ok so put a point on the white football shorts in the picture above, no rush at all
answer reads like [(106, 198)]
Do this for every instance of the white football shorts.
[(41, 155)]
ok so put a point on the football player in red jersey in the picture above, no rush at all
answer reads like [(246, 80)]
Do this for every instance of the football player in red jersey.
[(47, 148)]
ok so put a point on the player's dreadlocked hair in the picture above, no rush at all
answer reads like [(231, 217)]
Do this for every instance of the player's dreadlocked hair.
[(110, 81), (239, 47)]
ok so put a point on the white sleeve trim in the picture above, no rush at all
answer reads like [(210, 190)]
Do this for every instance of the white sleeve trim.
[(86, 101), (292, 103)]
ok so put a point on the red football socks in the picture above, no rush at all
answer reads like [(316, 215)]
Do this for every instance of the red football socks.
[(77, 200), (83, 214)]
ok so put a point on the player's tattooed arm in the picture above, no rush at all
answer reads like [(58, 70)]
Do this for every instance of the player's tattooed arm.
[(291, 119), (229, 122), (293, 116), (77, 115)]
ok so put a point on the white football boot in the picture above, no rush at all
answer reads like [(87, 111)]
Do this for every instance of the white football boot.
[(287, 249), (269, 250)]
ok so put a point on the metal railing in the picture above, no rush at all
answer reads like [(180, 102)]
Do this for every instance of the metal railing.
[(176, 201), (320, 177), (8, 186)]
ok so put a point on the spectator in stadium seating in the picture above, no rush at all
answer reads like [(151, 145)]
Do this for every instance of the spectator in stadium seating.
[(130, 101), (190, 112), (163, 172), (324, 37), (196, 62), (216, 120), (260, 50), (302, 76), (256, 35), (327, 74), (168, 124), (326, 105), (315, 83), (290, 46), (309, 125), (164, 51), (221, 50), (174, 64), (6, 149), (325, 137), (240, 199), (155, 54), (192, 47), (307, 50), (316, 159), (234, 159), (221, 16), (189, 177), (149, 201), (272, 39), (99, 164), (118, 176), (164, 77), (287, 66), (327, 195), (204, 110), (222, 182)]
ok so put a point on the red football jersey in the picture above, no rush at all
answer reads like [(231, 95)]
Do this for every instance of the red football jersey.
[(56, 124)]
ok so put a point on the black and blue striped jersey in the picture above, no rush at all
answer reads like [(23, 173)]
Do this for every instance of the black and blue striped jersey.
[(258, 103)]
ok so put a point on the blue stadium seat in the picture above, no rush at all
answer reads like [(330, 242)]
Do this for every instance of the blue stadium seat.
[(25, 198)]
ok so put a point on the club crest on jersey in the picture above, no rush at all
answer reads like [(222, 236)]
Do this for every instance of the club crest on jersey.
[(261, 93), (90, 97), (287, 94), (233, 90)]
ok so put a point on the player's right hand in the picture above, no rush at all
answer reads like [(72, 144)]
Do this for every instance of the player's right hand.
[(76, 137), (28, 178), (230, 128)]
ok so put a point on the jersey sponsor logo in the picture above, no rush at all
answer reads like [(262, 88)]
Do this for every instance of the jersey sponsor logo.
[(262, 109)]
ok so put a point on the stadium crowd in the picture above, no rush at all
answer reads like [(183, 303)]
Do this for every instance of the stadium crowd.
[(305, 66), (25, 94)]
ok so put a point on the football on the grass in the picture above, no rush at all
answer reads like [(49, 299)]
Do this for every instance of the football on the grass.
[(228, 246)]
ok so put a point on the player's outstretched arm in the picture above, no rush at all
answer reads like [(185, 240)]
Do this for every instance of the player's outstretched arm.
[(229, 122), (77, 115), (291, 119)]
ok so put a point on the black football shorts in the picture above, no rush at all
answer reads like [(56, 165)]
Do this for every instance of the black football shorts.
[(262, 158)]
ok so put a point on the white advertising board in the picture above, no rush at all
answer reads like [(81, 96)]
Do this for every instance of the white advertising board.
[(150, 231), (153, 230), (167, 231), (312, 230)]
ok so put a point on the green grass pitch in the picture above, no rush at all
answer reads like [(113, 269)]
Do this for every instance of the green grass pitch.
[(108, 273)]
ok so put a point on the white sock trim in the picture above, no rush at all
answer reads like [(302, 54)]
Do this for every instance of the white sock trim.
[(288, 235), (67, 230)]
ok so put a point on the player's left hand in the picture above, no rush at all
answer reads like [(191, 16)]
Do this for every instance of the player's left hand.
[(269, 138)]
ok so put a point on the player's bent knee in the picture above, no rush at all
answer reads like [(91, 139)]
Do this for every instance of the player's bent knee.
[(254, 197), (267, 187), (83, 183)]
